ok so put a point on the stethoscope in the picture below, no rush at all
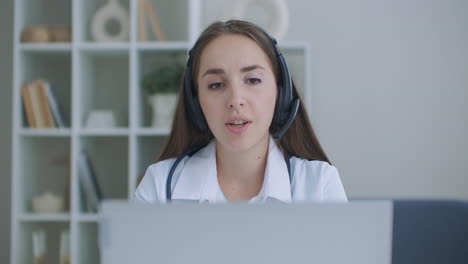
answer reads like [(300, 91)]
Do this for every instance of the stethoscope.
[(190, 152)]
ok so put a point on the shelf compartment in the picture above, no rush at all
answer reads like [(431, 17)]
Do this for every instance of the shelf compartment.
[(149, 148), (45, 167), (148, 61), (88, 247), (103, 84), (52, 231), (44, 12), (109, 161), (87, 11), (53, 67), (174, 28)]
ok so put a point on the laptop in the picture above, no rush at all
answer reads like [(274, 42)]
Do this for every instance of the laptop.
[(354, 232)]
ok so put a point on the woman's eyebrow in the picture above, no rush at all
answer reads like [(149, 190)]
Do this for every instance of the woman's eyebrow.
[(213, 71), (252, 67), (243, 69)]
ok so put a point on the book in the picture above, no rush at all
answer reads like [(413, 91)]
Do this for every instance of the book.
[(54, 105), (90, 189), (64, 257), (146, 6), (36, 105), (41, 107), (141, 21), (27, 106), (156, 26), (44, 104)]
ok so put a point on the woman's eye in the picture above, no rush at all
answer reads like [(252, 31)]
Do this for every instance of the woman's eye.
[(215, 85), (253, 81)]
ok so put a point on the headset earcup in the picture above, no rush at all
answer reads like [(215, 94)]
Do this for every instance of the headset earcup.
[(285, 98), (279, 108), (192, 106), (197, 116), (286, 106)]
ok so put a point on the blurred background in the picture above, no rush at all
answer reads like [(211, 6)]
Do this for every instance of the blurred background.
[(389, 83)]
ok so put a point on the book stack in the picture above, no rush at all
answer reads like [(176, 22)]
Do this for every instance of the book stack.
[(40, 105)]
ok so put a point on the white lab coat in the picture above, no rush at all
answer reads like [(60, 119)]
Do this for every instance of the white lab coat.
[(196, 179)]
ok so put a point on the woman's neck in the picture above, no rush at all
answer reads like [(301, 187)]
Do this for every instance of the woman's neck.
[(240, 174)]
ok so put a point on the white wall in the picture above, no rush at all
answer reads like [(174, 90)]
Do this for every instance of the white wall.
[(389, 78), (6, 28)]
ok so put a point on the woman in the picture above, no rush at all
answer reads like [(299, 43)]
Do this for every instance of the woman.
[(240, 131)]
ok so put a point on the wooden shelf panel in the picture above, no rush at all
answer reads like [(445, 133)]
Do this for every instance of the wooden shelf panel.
[(88, 217), (153, 132), (36, 217), (51, 47), (164, 45), (43, 132), (113, 132)]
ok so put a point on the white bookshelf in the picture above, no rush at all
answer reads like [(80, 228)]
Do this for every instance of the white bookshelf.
[(87, 75)]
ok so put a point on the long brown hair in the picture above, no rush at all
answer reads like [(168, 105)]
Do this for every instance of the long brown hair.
[(299, 140)]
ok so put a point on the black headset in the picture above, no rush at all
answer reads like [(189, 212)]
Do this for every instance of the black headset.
[(285, 110), (286, 105)]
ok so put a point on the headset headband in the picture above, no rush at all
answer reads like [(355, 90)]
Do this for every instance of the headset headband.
[(286, 105)]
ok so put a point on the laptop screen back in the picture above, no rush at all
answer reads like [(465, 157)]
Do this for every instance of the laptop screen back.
[(355, 232)]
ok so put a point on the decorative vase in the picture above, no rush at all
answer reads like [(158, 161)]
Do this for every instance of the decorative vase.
[(101, 119), (163, 106), (112, 11), (47, 203)]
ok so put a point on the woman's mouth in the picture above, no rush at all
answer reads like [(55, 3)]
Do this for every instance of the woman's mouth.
[(238, 123), (238, 126)]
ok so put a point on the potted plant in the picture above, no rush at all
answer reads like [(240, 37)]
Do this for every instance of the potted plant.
[(162, 85)]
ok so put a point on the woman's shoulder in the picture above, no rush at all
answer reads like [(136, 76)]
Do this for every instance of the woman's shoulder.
[(316, 180), (317, 168), (158, 171), (152, 185), (161, 167)]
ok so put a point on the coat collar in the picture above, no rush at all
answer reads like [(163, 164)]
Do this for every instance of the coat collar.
[(198, 179)]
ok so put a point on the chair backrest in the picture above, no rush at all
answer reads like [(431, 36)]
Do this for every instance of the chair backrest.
[(430, 232)]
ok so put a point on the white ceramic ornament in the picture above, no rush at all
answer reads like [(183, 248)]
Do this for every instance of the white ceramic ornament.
[(112, 10)]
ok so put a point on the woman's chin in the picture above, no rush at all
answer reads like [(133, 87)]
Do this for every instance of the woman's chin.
[(240, 144)]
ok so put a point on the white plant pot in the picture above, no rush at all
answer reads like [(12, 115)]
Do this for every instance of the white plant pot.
[(163, 106)]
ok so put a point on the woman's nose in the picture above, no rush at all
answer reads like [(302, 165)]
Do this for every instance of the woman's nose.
[(235, 98)]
